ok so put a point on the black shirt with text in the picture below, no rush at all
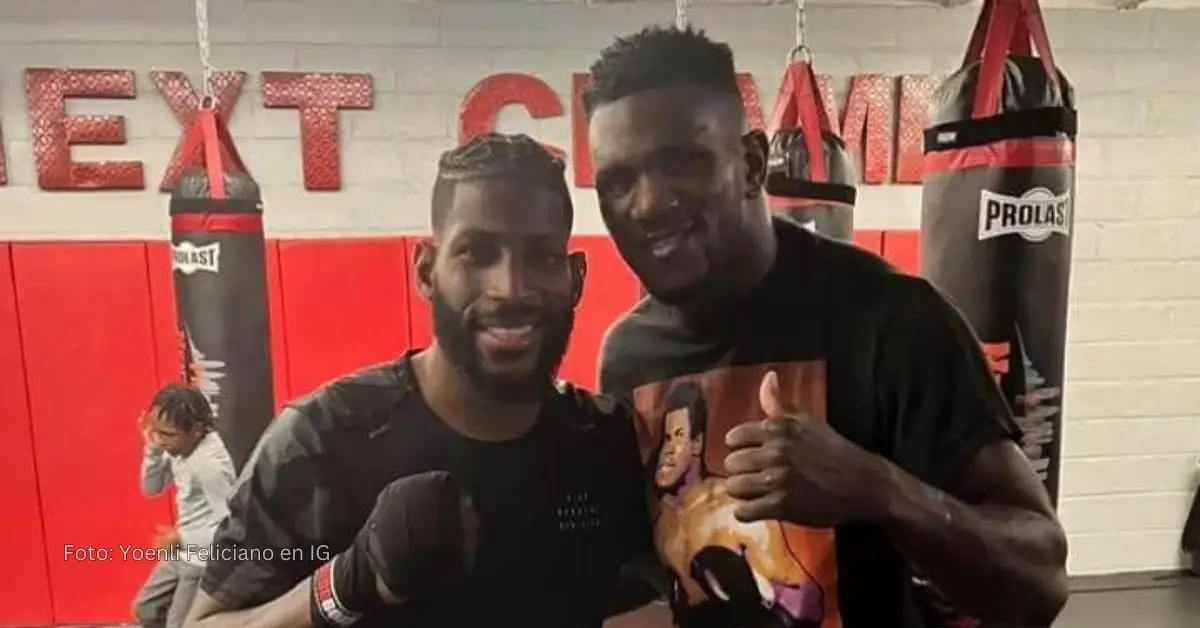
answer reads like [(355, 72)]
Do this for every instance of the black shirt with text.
[(561, 508)]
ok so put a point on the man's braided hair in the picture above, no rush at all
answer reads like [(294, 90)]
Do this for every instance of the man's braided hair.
[(658, 57), (498, 156)]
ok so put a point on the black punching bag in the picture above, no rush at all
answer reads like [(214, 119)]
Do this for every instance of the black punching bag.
[(824, 204), (219, 261), (811, 177), (1191, 535), (997, 213)]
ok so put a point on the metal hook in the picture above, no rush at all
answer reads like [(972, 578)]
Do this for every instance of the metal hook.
[(802, 52)]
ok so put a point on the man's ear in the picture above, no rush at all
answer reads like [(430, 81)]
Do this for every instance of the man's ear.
[(424, 256), (578, 266), (755, 147)]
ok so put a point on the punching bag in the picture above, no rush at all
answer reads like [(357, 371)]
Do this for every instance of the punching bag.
[(811, 177), (219, 267), (1191, 535), (997, 213)]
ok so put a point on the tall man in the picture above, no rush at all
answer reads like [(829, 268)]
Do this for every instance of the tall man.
[(844, 401), (183, 448), (458, 486)]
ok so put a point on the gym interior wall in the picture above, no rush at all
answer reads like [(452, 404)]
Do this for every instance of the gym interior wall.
[(88, 327)]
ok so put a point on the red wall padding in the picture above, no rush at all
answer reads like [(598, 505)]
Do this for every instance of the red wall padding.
[(610, 289), (420, 320), (97, 336), (167, 360), (25, 594), (90, 361), (279, 339), (345, 306), (869, 240), (162, 312), (903, 248)]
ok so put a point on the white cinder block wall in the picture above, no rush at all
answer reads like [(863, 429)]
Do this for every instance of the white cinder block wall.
[(1133, 402)]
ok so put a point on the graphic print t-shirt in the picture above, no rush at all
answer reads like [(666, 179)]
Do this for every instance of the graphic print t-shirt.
[(561, 508), (881, 356)]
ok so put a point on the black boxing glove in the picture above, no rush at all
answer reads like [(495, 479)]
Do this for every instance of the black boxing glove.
[(413, 540)]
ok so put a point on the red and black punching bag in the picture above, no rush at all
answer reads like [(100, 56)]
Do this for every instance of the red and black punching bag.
[(219, 262), (811, 177), (997, 213)]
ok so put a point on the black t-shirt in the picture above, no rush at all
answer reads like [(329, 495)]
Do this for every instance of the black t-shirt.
[(561, 509), (882, 356)]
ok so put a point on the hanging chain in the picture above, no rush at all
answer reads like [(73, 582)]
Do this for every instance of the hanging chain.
[(681, 13), (801, 49), (208, 98), (801, 24)]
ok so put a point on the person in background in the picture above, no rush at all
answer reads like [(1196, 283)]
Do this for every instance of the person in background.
[(182, 447), (844, 400)]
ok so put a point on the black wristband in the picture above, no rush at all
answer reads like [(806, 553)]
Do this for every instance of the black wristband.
[(343, 590)]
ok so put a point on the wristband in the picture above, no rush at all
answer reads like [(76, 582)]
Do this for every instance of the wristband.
[(328, 608)]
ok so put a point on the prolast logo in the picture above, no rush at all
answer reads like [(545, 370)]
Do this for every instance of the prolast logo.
[(1035, 215), (189, 259)]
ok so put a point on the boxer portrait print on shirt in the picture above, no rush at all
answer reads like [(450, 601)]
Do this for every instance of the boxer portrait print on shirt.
[(765, 573)]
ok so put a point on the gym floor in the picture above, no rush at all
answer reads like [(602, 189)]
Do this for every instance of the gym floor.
[(1139, 602), (1135, 602)]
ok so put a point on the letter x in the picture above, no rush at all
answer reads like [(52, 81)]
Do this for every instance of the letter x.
[(183, 100)]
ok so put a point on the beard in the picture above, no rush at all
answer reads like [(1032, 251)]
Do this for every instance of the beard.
[(457, 339)]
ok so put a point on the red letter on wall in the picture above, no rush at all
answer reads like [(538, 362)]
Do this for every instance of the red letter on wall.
[(318, 96), (482, 104), (916, 92), (867, 125), (54, 132), (177, 92), (581, 149), (751, 101), (753, 104)]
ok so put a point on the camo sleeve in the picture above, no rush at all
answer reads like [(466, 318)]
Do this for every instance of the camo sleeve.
[(278, 514)]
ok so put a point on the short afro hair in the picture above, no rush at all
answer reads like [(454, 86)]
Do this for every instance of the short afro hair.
[(658, 57), (498, 156)]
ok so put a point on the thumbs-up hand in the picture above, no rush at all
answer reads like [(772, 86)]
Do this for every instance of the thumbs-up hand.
[(768, 396), (793, 468)]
